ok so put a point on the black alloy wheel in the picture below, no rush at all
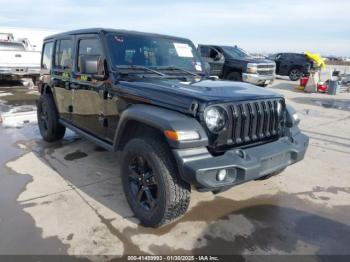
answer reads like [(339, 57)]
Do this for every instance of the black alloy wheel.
[(142, 183), (152, 184), (43, 117)]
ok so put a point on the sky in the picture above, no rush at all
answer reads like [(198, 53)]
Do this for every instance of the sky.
[(270, 26)]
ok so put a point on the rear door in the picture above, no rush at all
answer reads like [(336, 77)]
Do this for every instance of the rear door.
[(62, 74), (214, 58), (46, 63), (304, 63), (89, 96), (285, 64)]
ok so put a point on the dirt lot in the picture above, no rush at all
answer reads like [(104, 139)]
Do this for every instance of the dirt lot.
[(66, 197)]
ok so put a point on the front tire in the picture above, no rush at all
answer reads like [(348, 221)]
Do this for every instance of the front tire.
[(50, 129), (152, 185), (234, 76)]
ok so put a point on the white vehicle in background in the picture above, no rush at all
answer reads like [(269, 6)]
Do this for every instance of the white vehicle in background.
[(27, 44), (6, 37), (17, 62)]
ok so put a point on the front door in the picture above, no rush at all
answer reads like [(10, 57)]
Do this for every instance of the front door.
[(88, 93), (215, 59)]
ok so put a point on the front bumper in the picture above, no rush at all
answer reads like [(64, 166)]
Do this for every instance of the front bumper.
[(257, 79), (199, 168)]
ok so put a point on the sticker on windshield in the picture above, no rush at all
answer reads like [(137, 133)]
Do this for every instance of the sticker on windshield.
[(183, 50)]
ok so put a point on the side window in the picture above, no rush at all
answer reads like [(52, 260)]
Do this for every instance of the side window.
[(213, 53), (64, 54), (284, 57), (204, 50), (301, 58), (290, 57), (90, 47), (46, 59)]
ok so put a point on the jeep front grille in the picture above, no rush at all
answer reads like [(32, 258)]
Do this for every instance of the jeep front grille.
[(255, 120)]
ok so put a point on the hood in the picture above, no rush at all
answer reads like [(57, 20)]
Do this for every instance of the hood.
[(180, 95), (253, 60)]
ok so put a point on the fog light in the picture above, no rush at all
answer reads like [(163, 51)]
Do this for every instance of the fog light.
[(221, 175)]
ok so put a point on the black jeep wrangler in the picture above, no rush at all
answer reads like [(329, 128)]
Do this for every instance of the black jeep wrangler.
[(148, 96)]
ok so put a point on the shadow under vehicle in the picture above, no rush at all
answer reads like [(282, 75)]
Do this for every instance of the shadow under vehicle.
[(148, 96)]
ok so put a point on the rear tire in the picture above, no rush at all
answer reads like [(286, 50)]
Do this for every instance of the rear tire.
[(234, 76), (152, 185), (294, 74), (50, 129)]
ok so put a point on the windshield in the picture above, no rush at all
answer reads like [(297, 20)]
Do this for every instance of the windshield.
[(10, 46), (235, 52), (153, 52)]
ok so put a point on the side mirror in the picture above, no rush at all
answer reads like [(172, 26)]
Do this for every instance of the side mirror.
[(92, 65)]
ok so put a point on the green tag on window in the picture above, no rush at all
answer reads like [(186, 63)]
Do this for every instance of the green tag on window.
[(84, 78), (65, 75)]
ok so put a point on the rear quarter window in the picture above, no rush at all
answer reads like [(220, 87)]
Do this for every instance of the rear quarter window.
[(46, 60)]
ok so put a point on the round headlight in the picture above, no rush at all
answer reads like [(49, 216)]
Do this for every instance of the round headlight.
[(215, 118)]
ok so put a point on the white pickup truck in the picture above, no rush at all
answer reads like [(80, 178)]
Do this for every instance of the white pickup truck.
[(16, 62)]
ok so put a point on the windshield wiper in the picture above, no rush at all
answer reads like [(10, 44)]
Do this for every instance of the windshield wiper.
[(143, 68), (173, 68)]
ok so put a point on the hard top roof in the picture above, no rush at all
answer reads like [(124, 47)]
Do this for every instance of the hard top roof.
[(108, 30), (218, 45)]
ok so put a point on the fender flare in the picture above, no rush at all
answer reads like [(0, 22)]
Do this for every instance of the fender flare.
[(160, 119), (44, 88)]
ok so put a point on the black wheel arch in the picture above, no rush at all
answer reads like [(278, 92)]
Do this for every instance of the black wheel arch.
[(299, 67), (229, 69), (145, 118), (45, 89)]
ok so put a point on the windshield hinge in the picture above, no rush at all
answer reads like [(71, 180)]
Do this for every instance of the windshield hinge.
[(193, 108)]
